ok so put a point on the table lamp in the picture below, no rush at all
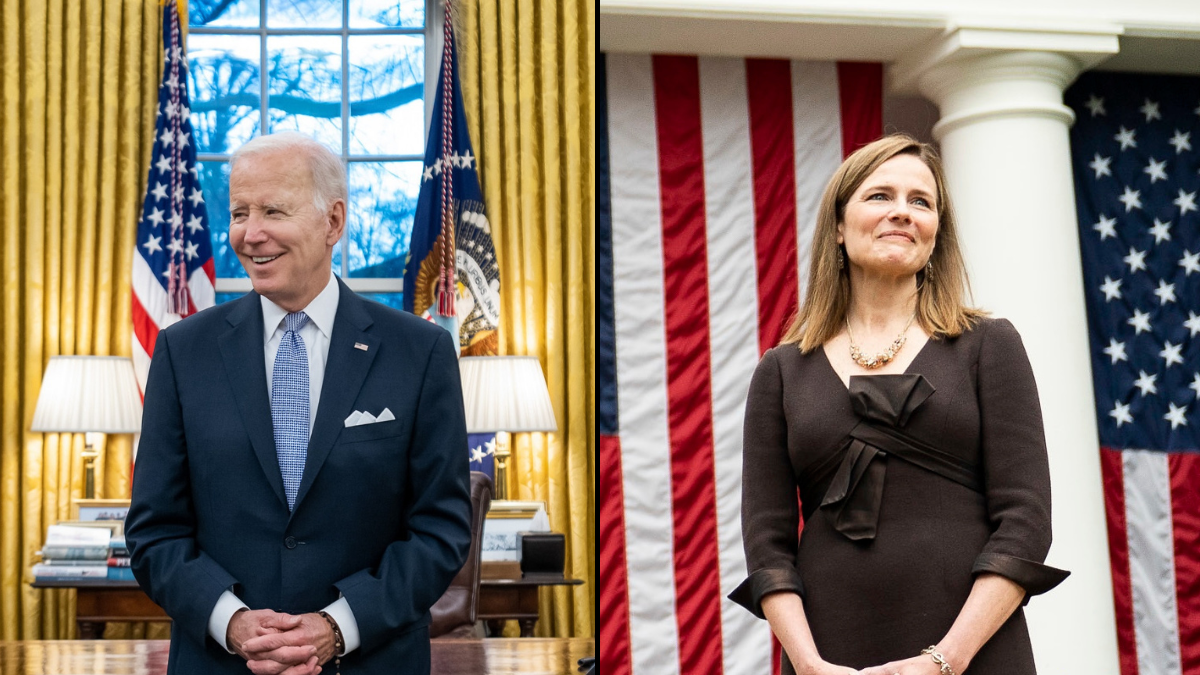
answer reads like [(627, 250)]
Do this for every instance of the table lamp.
[(88, 394), (505, 394)]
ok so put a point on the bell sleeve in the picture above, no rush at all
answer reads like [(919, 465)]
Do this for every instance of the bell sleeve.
[(770, 508), (1016, 469)]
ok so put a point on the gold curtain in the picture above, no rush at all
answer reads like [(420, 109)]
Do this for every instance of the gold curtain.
[(78, 85), (528, 78)]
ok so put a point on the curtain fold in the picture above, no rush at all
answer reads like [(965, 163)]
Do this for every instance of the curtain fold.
[(78, 82), (528, 77)]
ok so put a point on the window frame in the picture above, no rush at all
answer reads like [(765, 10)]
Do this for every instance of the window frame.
[(432, 31)]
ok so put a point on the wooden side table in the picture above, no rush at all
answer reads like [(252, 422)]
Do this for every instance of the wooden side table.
[(99, 601), (503, 599)]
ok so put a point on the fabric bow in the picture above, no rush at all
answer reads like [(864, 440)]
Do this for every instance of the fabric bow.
[(856, 491)]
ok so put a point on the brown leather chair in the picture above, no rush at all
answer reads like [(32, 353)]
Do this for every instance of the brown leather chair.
[(454, 612)]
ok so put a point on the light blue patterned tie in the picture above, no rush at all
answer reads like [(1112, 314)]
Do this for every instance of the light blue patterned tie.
[(289, 405)]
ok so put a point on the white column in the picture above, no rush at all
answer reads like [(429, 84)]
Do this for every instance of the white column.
[(1003, 137)]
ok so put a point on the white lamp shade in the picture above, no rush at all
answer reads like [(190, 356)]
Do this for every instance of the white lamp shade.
[(89, 394), (505, 393)]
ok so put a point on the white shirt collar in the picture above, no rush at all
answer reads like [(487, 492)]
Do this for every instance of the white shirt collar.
[(321, 311)]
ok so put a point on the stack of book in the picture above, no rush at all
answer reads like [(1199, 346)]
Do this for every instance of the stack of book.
[(118, 560), (72, 553)]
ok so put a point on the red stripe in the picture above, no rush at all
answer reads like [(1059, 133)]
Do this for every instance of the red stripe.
[(1185, 517), (769, 85), (144, 328), (860, 90), (1118, 553), (614, 572), (689, 370), (211, 271), (776, 655)]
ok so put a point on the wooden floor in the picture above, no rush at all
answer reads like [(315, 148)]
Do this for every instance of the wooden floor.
[(493, 656)]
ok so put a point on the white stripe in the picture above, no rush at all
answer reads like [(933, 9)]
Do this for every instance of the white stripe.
[(1151, 561), (141, 363), (817, 128), (201, 289), (151, 293), (733, 318), (641, 365)]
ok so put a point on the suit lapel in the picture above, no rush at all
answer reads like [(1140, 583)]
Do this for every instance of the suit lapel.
[(245, 365), (346, 369)]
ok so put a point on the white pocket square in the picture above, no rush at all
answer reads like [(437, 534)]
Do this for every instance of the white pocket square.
[(359, 418)]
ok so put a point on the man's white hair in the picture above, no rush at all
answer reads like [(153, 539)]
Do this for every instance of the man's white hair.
[(328, 172)]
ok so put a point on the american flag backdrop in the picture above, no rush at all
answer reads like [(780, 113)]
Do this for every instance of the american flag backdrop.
[(173, 272), (1136, 153), (710, 171)]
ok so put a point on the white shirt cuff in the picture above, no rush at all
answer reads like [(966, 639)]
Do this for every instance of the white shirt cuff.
[(344, 616), (218, 622)]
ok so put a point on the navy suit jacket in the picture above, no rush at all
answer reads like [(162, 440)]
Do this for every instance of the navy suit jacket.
[(383, 511)]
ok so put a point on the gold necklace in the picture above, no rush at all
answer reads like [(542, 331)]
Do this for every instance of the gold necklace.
[(882, 358)]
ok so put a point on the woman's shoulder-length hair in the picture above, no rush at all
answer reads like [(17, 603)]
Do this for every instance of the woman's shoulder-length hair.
[(942, 309)]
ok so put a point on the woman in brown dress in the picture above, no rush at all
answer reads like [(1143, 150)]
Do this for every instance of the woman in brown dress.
[(909, 425)]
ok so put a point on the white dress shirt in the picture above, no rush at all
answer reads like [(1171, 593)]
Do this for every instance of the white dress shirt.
[(315, 333)]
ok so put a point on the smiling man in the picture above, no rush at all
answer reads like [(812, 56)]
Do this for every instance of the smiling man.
[(300, 495)]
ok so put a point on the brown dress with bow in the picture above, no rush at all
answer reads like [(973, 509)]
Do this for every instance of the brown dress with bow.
[(910, 485)]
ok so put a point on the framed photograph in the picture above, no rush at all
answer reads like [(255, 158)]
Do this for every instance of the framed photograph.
[(88, 510), (504, 520)]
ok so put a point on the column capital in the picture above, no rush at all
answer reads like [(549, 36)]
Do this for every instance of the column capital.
[(978, 55), (979, 87)]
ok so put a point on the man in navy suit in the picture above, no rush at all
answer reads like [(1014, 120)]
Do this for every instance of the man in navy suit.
[(301, 493)]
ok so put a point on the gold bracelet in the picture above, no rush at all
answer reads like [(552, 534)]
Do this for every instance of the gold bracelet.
[(940, 660), (339, 644)]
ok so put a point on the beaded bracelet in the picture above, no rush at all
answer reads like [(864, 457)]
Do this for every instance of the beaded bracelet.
[(339, 644), (940, 660)]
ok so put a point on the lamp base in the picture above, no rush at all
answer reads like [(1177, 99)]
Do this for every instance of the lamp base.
[(502, 455), (90, 453)]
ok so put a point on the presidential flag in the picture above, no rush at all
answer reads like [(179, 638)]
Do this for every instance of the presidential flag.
[(710, 172), (452, 275), (1136, 152), (173, 270)]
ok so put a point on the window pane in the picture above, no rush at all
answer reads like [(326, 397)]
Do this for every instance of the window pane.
[(226, 297), (224, 90), (386, 13), (393, 300), (337, 253), (383, 199), (305, 87), (214, 181), (387, 113), (239, 13), (304, 14)]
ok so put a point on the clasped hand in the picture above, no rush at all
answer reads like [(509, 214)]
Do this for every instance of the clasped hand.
[(917, 665), (274, 643)]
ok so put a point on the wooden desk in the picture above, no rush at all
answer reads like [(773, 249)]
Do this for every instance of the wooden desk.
[(537, 656), (99, 601), (516, 599)]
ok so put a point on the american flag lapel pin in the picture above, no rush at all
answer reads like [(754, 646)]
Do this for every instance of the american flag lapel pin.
[(359, 345)]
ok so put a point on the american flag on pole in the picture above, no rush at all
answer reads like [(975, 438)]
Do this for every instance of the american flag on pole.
[(1136, 152), (173, 270), (452, 276), (710, 171)]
